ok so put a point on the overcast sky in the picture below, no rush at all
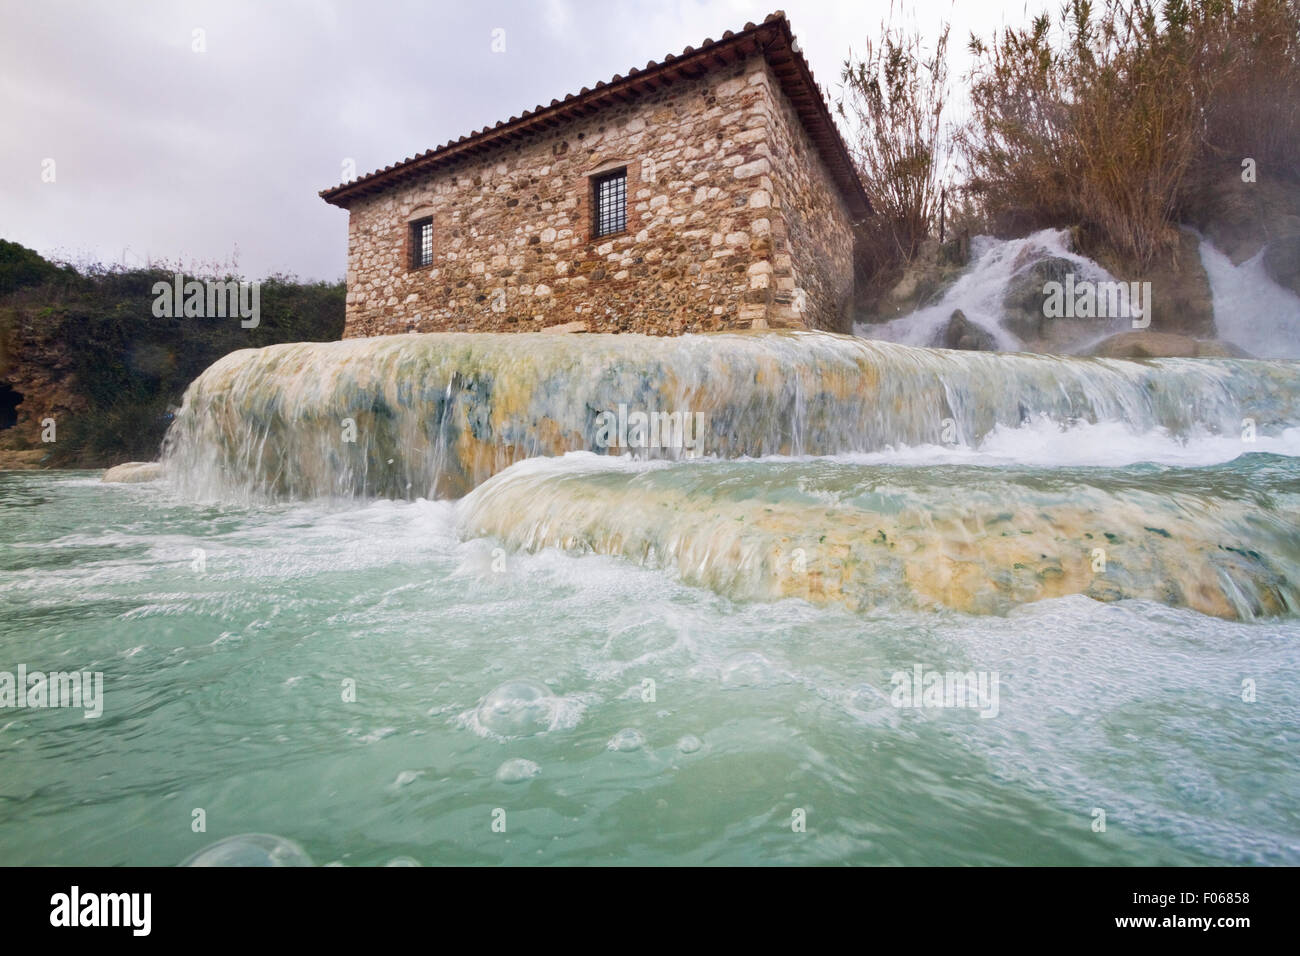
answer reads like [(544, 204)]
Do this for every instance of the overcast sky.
[(161, 152)]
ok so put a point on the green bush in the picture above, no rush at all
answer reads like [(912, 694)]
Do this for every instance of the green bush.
[(20, 267), (130, 367)]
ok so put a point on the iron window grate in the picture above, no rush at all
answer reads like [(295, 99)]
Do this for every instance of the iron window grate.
[(611, 203), (421, 243)]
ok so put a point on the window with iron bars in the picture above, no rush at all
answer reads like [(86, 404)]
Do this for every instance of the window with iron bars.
[(421, 243), (609, 203)]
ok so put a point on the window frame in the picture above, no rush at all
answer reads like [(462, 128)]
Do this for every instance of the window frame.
[(415, 237), (596, 181)]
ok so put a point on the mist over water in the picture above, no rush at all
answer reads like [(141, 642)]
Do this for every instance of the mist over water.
[(653, 659)]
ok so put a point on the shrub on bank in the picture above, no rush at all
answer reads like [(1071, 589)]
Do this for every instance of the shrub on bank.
[(1114, 119), (1117, 119), (90, 342)]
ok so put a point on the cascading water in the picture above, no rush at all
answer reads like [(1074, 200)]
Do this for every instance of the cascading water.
[(981, 291), (1252, 311), (434, 415), (643, 657), (866, 536)]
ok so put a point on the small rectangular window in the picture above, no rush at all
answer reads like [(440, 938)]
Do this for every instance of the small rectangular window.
[(421, 243), (610, 203)]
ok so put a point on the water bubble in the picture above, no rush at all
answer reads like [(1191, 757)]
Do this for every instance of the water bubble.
[(403, 861), (251, 849), (626, 740), (518, 708), (689, 744), (522, 708), (517, 771)]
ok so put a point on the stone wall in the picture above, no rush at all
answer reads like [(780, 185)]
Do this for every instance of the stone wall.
[(722, 181), (816, 256)]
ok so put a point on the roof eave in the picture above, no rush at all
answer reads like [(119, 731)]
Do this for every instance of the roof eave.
[(773, 38)]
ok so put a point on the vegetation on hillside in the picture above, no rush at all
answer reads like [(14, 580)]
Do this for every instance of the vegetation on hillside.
[(95, 332), (896, 97), (1115, 117)]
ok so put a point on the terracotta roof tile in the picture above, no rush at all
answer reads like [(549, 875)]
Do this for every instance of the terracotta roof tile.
[(772, 38)]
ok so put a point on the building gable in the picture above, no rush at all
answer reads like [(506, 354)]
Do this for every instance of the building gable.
[(773, 39)]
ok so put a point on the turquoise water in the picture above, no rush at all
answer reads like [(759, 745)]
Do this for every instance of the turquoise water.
[(224, 685)]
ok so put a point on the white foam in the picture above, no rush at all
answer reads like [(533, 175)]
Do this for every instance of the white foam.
[(979, 292), (1041, 442), (1045, 443), (1251, 310)]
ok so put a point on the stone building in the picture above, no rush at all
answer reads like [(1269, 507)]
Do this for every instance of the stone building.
[(710, 191)]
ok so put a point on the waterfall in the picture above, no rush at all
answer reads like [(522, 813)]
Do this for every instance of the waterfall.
[(1252, 311), (978, 540), (412, 416), (981, 291)]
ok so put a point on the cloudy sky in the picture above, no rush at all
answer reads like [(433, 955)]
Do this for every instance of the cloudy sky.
[(129, 137)]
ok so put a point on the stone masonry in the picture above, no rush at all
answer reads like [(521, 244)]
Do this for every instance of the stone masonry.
[(734, 217)]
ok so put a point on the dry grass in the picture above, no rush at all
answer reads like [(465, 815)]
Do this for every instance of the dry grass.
[(1108, 119), (894, 99)]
